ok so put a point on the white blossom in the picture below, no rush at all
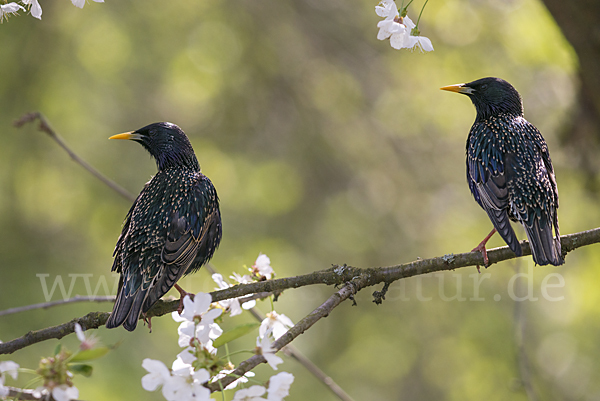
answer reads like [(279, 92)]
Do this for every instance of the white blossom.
[(59, 393), (279, 386), (262, 266), (276, 324), (392, 26), (233, 305), (187, 356), (198, 308), (386, 8), (401, 31), (245, 279), (419, 42), (408, 22), (181, 368), (7, 368), (10, 8), (225, 372), (198, 321), (81, 3), (205, 333), (186, 385), (186, 331), (10, 368), (158, 374), (36, 9), (396, 28), (65, 393), (86, 342), (393, 30), (268, 352), (182, 384), (253, 393)]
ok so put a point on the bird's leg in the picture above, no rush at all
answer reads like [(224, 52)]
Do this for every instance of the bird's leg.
[(182, 294), (149, 321), (481, 248)]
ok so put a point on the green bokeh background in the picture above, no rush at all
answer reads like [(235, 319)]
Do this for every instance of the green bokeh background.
[(326, 146)]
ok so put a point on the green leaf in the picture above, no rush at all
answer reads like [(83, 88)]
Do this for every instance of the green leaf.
[(90, 354), (81, 369), (234, 333), (57, 349)]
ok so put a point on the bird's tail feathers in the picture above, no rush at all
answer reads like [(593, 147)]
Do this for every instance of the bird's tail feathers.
[(127, 309), (162, 285), (501, 222), (545, 248)]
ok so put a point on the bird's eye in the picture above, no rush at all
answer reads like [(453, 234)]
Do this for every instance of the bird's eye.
[(484, 86)]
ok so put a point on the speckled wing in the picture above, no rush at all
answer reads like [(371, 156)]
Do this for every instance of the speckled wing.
[(193, 235), (129, 296), (173, 228), (534, 194), (487, 180)]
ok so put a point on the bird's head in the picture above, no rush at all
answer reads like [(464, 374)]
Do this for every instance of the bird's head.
[(166, 142), (491, 97)]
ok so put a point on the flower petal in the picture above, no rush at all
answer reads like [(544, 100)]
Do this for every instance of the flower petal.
[(408, 22), (36, 9), (201, 375), (426, 44), (11, 7), (78, 3), (65, 393), (279, 386), (211, 315), (10, 368), (399, 40), (202, 302), (79, 332), (272, 359)]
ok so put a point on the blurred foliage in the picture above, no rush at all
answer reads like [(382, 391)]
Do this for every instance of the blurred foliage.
[(326, 146)]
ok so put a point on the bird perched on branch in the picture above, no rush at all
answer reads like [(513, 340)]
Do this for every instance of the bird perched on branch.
[(509, 170), (172, 229)]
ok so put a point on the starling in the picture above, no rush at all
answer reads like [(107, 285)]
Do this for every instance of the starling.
[(172, 229), (509, 170)]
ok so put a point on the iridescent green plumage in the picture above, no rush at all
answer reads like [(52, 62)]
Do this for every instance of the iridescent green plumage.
[(172, 229), (509, 169)]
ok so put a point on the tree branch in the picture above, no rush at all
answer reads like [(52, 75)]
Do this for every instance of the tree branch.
[(290, 350), (348, 290), (25, 394), (45, 127), (336, 275), (22, 394), (46, 305)]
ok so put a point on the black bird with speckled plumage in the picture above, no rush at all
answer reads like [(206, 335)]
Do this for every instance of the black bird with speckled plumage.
[(172, 229), (509, 170)]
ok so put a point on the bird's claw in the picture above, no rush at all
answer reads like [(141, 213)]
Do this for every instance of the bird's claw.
[(182, 295), (481, 248), (148, 320)]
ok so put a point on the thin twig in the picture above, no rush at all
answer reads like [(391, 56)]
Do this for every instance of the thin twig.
[(45, 127), (293, 352), (336, 275), (25, 394), (290, 350), (46, 305), (349, 289)]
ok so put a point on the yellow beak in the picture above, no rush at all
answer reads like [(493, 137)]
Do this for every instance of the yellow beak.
[(126, 135), (458, 88)]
